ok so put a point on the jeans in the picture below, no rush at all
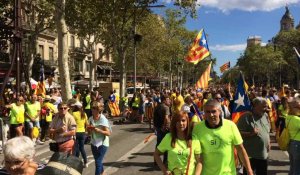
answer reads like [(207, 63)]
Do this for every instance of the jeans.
[(45, 127), (160, 135), (79, 146), (98, 154), (294, 155), (259, 166)]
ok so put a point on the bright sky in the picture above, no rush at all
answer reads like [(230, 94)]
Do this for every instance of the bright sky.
[(230, 22)]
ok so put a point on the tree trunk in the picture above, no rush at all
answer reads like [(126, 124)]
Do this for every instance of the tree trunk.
[(122, 72), (63, 55), (92, 71), (31, 53)]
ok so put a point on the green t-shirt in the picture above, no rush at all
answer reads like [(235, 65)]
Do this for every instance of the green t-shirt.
[(293, 124), (217, 147), (284, 112), (32, 110), (80, 123), (88, 102), (17, 112), (178, 156)]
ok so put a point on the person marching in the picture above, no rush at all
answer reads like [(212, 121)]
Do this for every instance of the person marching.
[(183, 153), (100, 130), (47, 111), (17, 111), (32, 113), (218, 137), (81, 122), (63, 129)]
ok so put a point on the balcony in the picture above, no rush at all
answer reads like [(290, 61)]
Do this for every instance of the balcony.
[(51, 63), (77, 53)]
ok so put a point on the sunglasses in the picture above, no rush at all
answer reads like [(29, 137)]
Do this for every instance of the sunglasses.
[(63, 108)]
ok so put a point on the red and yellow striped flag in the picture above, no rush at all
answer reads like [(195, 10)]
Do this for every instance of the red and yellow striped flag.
[(199, 49), (205, 77), (225, 67)]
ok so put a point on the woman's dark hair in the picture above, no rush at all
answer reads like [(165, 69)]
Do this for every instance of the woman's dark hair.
[(187, 133), (80, 109)]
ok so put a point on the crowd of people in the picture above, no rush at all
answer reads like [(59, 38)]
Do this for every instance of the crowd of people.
[(196, 133), (194, 128), (35, 119)]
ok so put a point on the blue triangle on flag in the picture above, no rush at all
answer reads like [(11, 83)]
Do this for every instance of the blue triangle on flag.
[(241, 99)]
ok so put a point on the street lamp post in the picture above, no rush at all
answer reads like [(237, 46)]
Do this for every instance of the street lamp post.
[(138, 38)]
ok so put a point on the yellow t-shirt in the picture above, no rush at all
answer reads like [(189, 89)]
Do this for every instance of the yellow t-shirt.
[(53, 110), (217, 147), (178, 156), (79, 121), (179, 102)]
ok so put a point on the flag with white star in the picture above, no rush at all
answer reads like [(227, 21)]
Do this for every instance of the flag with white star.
[(241, 101), (199, 49)]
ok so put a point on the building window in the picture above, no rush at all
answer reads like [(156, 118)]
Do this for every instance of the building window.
[(78, 65), (51, 54), (100, 53), (88, 66), (107, 54), (41, 51), (72, 42)]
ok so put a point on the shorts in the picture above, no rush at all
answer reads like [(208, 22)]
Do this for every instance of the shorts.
[(31, 124)]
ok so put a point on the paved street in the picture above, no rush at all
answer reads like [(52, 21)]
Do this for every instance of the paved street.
[(129, 155)]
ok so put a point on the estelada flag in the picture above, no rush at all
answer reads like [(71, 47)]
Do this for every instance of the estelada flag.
[(241, 101), (225, 67), (205, 77), (199, 49)]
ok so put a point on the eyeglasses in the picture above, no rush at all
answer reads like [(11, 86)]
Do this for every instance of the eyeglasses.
[(63, 108), (20, 100)]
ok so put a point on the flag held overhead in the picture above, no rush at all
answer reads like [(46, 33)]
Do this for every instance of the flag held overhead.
[(205, 77), (225, 67), (199, 49), (241, 101)]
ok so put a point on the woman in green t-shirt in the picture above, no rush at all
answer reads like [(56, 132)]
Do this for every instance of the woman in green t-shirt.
[(17, 117), (183, 153)]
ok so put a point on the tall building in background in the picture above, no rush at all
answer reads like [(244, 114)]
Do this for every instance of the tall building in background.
[(253, 40), (287, 20)]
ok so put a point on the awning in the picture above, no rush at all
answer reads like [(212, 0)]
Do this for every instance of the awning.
[(104, 67)]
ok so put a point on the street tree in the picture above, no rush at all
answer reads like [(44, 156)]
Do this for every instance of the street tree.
[(261, 62), (63, 52), (39, 18)]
